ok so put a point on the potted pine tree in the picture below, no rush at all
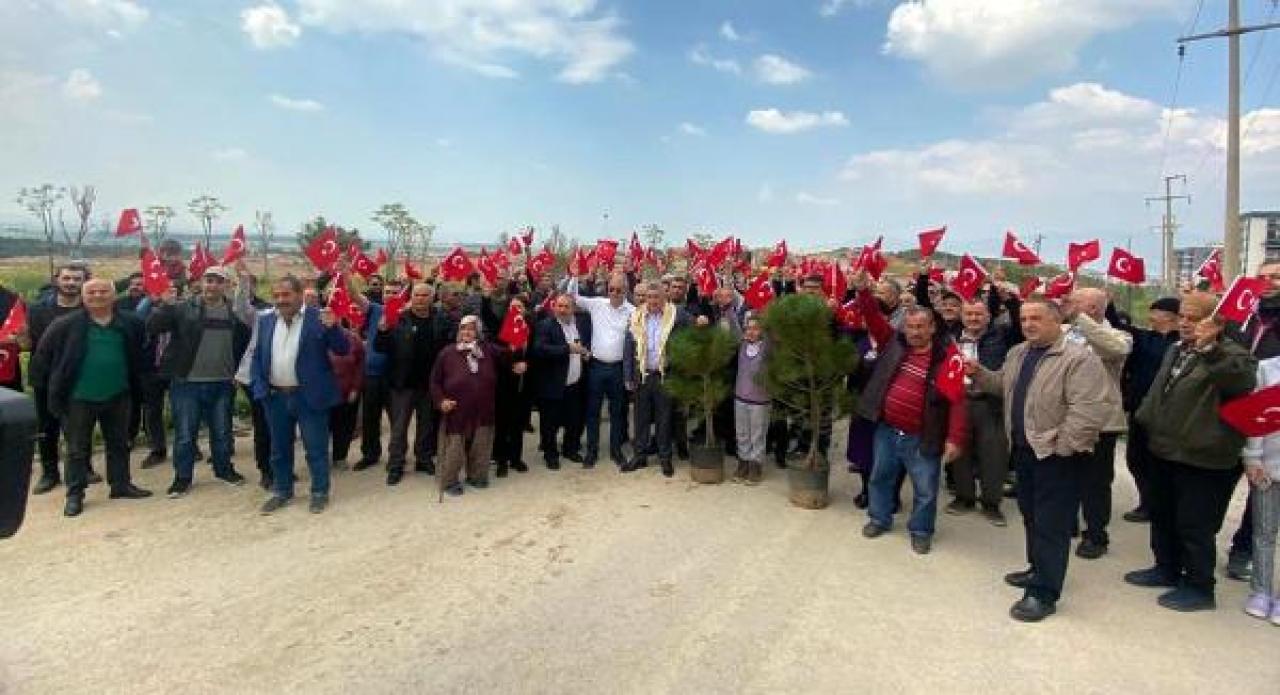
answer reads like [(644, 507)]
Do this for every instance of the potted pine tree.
[(805, 373), (698, 378)]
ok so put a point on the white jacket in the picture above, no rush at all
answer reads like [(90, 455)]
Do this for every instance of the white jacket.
[(1265, 451)]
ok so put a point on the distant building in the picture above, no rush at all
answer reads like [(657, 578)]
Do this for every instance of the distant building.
[(1189, 260), (1261, 239)]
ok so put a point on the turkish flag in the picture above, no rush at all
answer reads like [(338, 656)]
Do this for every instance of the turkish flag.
[(130, 222), (929, 240), (871, 260), (969, 278), (323, 251), (540, 264), (411, 271), (849, 316), (937, 274), (515, 246), (635, 251), (1241, 299), (500, 260), (154, 278), (488, 269), (720, 253), (694, 252), (1028, 287), (1126, 267), (705, 277), (834, 282), (340, 298), (237, 248), (201, 260), (395, 304), (1060, 286), (759, 293), (15, 322), (515, 329), (457, 266), (8, 363), (1018, 251), (1080, 254), (606, 252), (950, 380), (1255, 415), (1211, 270), (362, 264), (778, 257)]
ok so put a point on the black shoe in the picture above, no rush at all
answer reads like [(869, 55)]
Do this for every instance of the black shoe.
[(129, 492), (502, 469), (519, 467), (682, 452), (275, 504), (394, 475), (873, 530), (153, 459), (921, 544), (1151, 578), (1137, 516), (1090, 549), (1187, 600), (861, 501), (231, 478), (553, 464), (1032, 610), (478, 483), (1239, 567), (75, 505), (668, 469), (179, 488), (364, 464), (93, 477), (454, 490), (45, 484), (635, 464), (617, 456), (318, 504), (575, 457), (427, 466), (589, 461), (1020, 579), (958, 506), (199, 455), (995, 516)]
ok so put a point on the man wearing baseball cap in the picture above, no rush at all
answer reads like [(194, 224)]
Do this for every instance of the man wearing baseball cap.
[(208, 338)]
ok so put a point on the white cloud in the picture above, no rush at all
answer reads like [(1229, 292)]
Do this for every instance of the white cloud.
[(787, 122), (229, 154), (831, 8), (290, 104), (804, 198), (728, 32), (81, 86), (687, 128), (481, 34), (269, 26), (992, 43), (775, 69), (109, 15), (700, 56), (951, 166)]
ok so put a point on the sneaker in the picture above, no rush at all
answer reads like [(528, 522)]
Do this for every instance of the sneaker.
[(873, 530), (995, 516), (921, 544), (273, 505), (231, 478), (179, 488), (318, 503), (1186, 600), (959, 506), (454, 490), (1259, 606), (1239, 567)]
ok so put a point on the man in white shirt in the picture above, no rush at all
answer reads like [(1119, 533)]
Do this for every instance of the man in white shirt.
[(610, 317)]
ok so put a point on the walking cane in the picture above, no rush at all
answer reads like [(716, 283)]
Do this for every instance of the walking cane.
[(442, 435)]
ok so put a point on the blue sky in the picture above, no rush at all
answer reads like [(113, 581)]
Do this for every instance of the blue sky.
[(820, 121)]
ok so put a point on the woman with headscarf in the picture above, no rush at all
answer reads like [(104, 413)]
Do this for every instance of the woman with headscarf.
[(463, 384)]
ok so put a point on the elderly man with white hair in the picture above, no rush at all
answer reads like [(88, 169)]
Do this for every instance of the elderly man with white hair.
[(1085, 314)]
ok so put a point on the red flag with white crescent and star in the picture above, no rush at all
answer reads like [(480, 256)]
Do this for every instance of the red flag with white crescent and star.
[(1018, 251), (457, 265), (950, 380), (1211, 270), (154, 278), (201, 260), (969, 278), (1126, 267), (1241, 299), (1254, 415), (1060, 286), (929, 240), (323, 251), (778, 257), (236, 249), (15, 322), (515, 329), (1080, 254), (130, 222), (759, 293)]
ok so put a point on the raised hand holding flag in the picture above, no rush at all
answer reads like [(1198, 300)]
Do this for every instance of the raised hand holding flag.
[(154, 278), (1211, 270), (236, 249), (950, 380), (969, 278), (1241, 299), (456, 266), (759, 293), (515, 329), (323, 251)]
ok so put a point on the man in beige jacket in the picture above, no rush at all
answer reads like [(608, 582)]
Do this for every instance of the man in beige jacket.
[(1056, 399), (1086, 324)]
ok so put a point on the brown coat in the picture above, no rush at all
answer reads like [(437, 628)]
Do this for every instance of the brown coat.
[(1067, 401)]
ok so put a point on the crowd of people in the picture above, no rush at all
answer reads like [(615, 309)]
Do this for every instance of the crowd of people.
[(1050, 387)]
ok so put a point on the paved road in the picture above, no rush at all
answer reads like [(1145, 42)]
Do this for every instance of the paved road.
[(577, 582)]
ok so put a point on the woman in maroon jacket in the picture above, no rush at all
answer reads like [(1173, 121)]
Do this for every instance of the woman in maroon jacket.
[(348, 370), (463, 383)]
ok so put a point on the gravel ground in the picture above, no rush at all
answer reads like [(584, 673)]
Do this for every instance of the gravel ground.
[(578, 581)]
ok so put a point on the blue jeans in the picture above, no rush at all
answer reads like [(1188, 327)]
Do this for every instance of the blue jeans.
[(895, 451), (192, 402), (605, 381), (288, 413)]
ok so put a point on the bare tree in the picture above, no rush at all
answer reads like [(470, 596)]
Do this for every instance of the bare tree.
[(40, 201), (206, 208), (406, 236), (157, 219), (82, 199), (653, 235), (266, 226)]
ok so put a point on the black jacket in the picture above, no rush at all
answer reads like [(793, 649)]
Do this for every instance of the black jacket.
[(62, 349), (397, 344), (550, 353), (184, 322), (937, 409)]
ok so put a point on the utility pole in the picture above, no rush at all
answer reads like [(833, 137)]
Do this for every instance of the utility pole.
[(1168, 225), (1036, 242), (1231, 233)]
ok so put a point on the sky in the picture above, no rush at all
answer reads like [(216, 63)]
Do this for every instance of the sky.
[(824, 122)]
